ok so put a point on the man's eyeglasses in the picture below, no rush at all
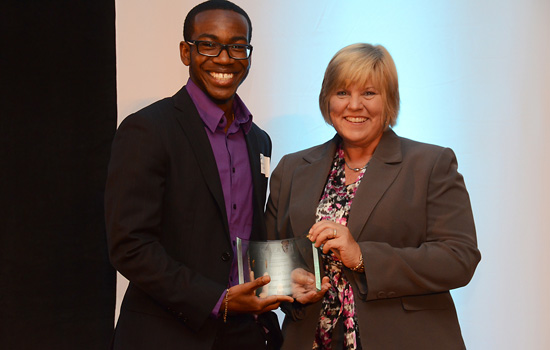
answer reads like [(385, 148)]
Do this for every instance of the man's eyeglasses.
[(213, 49)]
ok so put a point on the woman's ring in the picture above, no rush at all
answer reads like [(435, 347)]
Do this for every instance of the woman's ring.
[(334, 233)]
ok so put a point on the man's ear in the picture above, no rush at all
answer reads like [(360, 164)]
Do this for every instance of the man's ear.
[(185, 53)]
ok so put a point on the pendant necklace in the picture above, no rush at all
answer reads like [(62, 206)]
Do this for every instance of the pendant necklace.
[(357, 169)]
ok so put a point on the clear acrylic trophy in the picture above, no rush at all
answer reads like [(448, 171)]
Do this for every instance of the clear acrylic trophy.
[(281, 260)]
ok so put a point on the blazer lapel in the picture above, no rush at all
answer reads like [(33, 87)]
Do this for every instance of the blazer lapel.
[(309, 181), (257, 187), (193, 127), (382, 171)]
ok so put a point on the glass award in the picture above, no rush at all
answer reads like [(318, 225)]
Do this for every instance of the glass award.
[(281, 260)]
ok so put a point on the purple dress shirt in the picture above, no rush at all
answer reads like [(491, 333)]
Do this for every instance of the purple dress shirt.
[(231, 155)]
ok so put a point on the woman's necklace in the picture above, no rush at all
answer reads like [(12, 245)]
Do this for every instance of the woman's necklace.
[(357, 169)]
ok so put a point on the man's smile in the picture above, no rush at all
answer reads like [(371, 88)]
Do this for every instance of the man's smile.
[(222, 78)]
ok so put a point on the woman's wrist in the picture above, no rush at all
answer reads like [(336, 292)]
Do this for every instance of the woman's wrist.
[(360, 267)]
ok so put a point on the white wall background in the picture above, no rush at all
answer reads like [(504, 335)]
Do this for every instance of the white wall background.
[(474, 76)]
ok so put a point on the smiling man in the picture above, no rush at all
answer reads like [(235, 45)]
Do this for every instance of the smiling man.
[(188, 175)]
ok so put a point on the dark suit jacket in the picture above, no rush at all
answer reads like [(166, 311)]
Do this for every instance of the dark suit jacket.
[(167, 226), (412, 219)]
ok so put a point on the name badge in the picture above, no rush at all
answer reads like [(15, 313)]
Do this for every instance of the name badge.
[(264, 165)]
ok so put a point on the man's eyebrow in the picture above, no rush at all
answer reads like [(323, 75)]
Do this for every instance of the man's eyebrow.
[(215, 38)]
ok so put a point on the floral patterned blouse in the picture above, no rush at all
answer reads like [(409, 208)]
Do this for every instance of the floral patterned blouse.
[(338, 304)]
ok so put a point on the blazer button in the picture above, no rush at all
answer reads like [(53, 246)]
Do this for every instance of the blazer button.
[(382, 295), (226, 256)]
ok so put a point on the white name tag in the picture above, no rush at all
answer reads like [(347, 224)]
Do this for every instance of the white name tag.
[(264, 165)]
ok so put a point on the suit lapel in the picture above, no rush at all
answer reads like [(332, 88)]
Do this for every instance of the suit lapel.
[(309, 181), (193, 127), (381, 173), (255, 167)]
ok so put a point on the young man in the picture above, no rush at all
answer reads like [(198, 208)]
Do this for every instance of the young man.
[(185, 180)]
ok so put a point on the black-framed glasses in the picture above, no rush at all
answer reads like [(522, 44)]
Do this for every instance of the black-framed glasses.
[(213, 49)]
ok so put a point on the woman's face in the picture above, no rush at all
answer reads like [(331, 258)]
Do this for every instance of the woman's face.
[(357, 114)]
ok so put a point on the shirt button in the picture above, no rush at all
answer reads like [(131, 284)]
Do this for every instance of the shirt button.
[(234, 206)]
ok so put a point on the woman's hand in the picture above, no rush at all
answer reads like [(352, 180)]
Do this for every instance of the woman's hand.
[(338, 239), (303, 286)]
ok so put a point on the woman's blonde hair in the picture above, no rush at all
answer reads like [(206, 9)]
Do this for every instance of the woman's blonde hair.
[(361, 64)]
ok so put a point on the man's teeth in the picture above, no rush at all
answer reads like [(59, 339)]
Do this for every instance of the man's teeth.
[(221, 75), (356, 119)]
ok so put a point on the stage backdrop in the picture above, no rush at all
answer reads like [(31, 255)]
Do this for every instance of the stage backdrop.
[(57, 121), (474, 76)]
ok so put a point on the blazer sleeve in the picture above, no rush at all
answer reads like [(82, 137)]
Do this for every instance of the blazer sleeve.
[(277, 212), (448, 254), (273, 202), (294, 310), (134, 196)]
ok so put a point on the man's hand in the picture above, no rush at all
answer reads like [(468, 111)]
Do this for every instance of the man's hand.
[(303, 286), (242, 298)]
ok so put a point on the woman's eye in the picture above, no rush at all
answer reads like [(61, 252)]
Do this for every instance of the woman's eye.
[(341, 93), (369, 94)]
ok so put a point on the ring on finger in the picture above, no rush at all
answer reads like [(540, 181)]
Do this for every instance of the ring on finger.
[(334, 233)]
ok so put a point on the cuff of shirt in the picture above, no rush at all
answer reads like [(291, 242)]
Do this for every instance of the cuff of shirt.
[(216, 310)]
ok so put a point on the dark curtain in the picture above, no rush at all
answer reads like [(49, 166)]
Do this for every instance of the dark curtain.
[(57, 120)]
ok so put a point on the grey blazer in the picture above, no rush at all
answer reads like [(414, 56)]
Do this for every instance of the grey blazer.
[(412, 218)]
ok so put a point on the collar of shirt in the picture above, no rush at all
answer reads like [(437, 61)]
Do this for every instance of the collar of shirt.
[(212, 115)]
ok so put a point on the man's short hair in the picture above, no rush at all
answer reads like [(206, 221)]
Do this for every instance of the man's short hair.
[(189, 23)]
